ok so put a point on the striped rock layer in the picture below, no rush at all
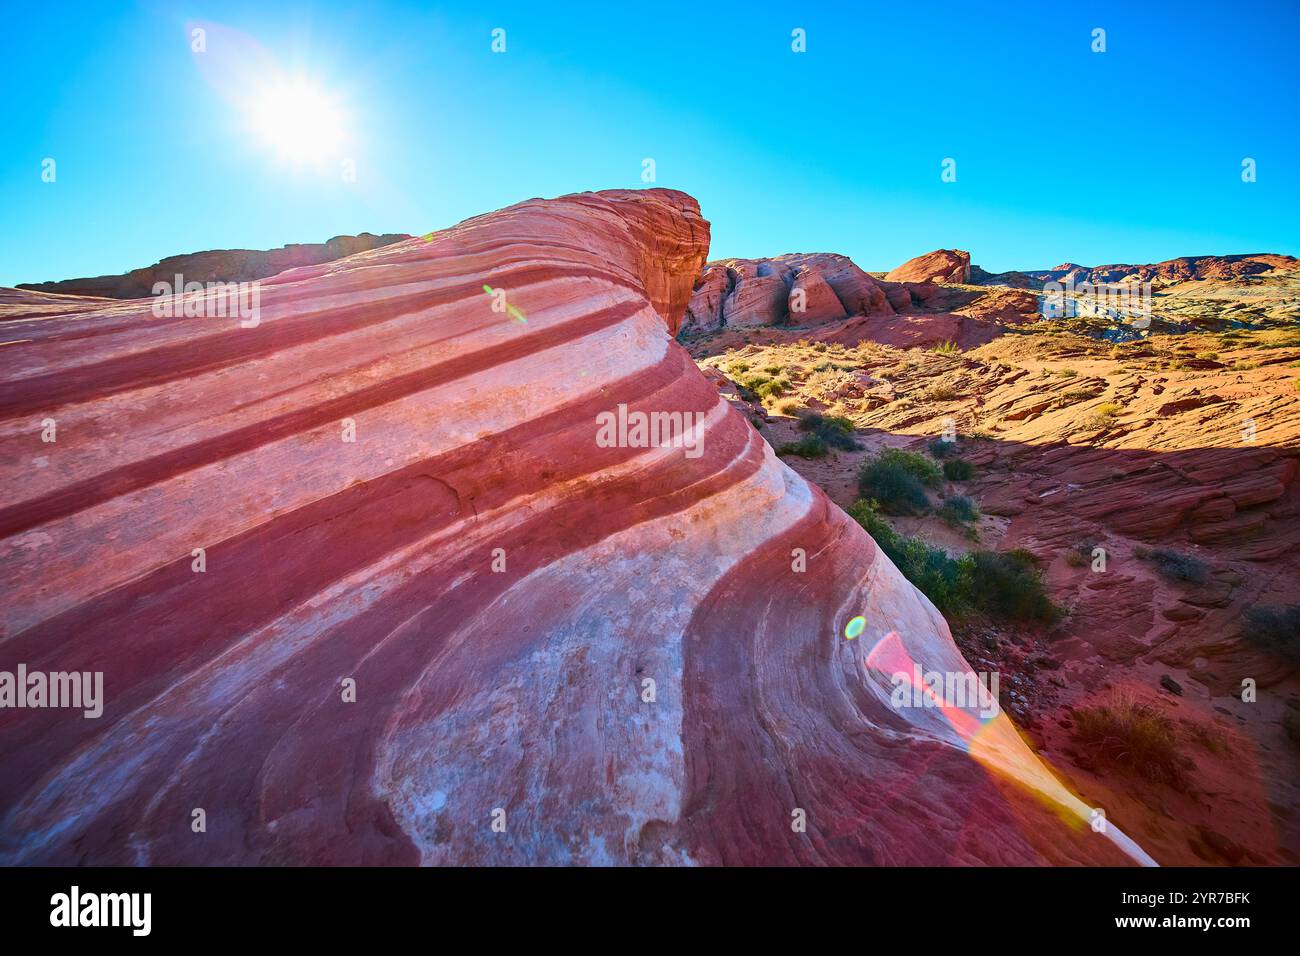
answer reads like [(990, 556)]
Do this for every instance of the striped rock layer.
[(476, 633)]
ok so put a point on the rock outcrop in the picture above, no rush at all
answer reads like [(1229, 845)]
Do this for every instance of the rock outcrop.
[(797, 289), (217, 265), (942, 265), (377, 581)]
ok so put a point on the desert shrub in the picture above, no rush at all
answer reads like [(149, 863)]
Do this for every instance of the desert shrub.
[(944, 580), (1275, 630), (940, 392), (1081, 553), (947, 348), (1079, 395), (897, 480), (738, 368), (940, 448), (959, 510), (1068, 373), (1103, 416), (833, 430), (867, 513), (1008, 584), (1175, 565), (786, 406), (771, 388), (809, 446), (1133, 736), (957, 469), (1003, 585)]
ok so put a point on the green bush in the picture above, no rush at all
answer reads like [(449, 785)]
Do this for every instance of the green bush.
[(1004, 585), (940, 578), (1009, 585), (771, 388), (897, 480), (810, 446), (947, 348), (959, 510), (957, 469), (940, 448), (833, 430)]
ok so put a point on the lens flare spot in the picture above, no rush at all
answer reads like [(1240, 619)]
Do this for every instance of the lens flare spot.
[(855, 627)]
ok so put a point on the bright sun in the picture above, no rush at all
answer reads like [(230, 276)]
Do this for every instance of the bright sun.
[(298, 121)]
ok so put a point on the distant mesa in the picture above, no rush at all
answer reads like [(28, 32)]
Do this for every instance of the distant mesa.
[(217, 265), (1234, 268)]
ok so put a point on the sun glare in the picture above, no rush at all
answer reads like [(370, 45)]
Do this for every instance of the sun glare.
[(298, 121)]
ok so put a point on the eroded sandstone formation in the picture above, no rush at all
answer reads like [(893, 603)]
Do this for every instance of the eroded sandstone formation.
[(796, 289), (942, 265), (365, 587)]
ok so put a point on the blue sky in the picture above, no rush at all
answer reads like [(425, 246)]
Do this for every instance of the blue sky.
[(1132, 155)]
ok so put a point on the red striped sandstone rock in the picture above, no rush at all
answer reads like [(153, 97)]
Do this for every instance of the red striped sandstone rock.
[(519, 690)]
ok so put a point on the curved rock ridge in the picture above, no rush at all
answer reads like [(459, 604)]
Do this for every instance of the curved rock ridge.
[(370, 583)]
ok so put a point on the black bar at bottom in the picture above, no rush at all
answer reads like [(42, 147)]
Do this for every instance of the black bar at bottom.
[(334, 906)]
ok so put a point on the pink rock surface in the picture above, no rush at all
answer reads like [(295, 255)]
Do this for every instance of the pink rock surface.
[(499, 585), (942, 265), (812, 299)]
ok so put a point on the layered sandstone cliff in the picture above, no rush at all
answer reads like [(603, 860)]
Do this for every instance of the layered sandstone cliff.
[(365, 587)]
